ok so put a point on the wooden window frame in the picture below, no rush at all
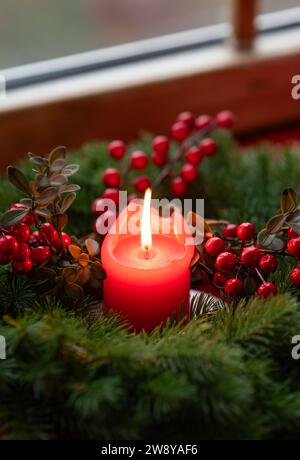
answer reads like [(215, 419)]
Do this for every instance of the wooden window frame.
[(249, 79)]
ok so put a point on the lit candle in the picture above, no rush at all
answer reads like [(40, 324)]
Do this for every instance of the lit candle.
[(148, 275)]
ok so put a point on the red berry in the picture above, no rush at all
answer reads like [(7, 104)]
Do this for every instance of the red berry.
[(160, 145), (250, 256), (268, 264), (234, 287), (48, 233), (295, 277), (219, 279), (141, 183), (111, 177), (225, 119), (138, 160), (226, 262), (18, 206), (24, 266), (98, 206), (178, 186), (4, 260), (189, 173), (193, 156), (20, 231), (23, 252), (203, 121), (229, 231), (267, 289), (34, 239), (214, 246), (40, 254), (188, 118), (246, 231), (111, 194), (292, 234), (117, 149), (66, 241), (293, 247), (8, 246), (208, 147), (158, 159), (179, 131)]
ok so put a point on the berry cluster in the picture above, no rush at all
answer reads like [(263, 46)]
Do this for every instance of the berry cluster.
[(177, 156), (237, 258), (25, 247), (293, 247)]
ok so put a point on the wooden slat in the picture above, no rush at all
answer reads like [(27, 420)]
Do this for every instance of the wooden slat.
[(243, 26)]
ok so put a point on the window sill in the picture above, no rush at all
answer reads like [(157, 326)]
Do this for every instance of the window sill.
[(255, 84)]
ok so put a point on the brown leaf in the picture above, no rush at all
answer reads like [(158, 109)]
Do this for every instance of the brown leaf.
[(68, 201), (288, 200), (73, 290), (70, 188), (70, 274), (57, 166), (83, 259), (275, 224), (92, 247), (83, 276), (59, 153), (98, 270), (58, 180), (17, 178), (38, 160), (47, 195), (75, 251), (59, 221), (69, 170), (12, 217)]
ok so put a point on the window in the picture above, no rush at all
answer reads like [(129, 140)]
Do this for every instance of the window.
[(37, 30)]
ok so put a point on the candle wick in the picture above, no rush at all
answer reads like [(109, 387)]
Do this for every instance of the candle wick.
[(147, 252)]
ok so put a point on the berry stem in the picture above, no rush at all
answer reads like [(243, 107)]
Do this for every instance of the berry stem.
[(189, 142), (260, 276)]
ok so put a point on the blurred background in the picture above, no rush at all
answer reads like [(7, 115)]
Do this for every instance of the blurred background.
[(35, 30), (199, 55)]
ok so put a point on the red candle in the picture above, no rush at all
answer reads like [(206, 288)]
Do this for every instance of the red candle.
[(148, 275)]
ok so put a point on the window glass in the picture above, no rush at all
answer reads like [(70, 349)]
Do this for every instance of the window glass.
[(268, 6), (35, 30)]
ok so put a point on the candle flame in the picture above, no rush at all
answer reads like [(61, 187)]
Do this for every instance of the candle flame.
[(146, 236)]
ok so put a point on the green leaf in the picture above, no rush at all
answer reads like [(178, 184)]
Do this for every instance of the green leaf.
[(12, 217), (264, 238), (68, 201), (17, 178), (59, 153), (288, 200), (275, 224)]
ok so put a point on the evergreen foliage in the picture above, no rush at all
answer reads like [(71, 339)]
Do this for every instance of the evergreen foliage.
[(223, 376)]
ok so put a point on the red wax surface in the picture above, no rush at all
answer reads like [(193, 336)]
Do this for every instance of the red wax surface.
[(146, 291)]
